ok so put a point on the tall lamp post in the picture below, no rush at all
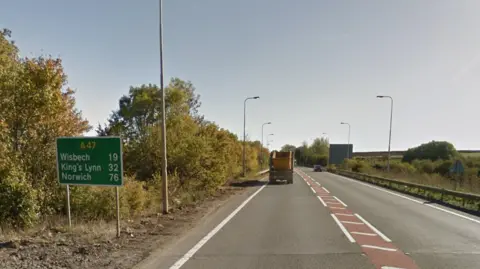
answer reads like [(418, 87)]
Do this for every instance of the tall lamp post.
[(244, 123), (163, 126), (390, 132), (348, 145), (261, 150), (268, 141)]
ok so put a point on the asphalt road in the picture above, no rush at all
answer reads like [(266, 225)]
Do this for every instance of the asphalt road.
[(325, 221)]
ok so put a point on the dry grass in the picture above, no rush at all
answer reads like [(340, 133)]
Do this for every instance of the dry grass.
[(470, 184)]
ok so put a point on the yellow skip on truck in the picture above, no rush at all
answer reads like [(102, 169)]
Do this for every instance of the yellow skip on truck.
[(281, 166)]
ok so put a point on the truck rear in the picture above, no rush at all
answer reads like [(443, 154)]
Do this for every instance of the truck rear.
[(281, 166)]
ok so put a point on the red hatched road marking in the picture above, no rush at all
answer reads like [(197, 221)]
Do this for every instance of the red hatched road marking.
[(378, 248)]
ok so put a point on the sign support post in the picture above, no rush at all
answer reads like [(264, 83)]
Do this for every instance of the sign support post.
[(118, 210), (68, 207)]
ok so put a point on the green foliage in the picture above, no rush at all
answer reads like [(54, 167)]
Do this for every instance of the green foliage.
[(35, 108), (18, 200), (309, 155), (433, 151)]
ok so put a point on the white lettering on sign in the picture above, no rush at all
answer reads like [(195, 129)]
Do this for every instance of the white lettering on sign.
[(93, 168), (77, 177), (74, 157), (71, 167)]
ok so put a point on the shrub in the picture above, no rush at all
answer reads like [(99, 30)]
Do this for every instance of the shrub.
[(424, 166), (404, 168), (443, 167), (433, 151), (18, 204), (332, 168)]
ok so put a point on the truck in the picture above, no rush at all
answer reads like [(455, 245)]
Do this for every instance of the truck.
[(281, 165)]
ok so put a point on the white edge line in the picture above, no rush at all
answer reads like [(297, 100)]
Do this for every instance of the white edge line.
[(308, 183), (336, 203), (321, 200), (343, 214), (348, 235), (207, 237), (333, 207), (345, 205), (381, 248), (360, 233), (373, 228), (325, 189), (313, 190), (317, 183)]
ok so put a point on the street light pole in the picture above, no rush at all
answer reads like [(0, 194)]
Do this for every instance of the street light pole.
[(163, 126), (261, 150), (244, 123), (348, 144), (268, 141), (390, 132)]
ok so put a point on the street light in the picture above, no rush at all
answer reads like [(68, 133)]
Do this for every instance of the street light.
[(261, 150), (268, 140), (390, 132), (163, 126), (244, 122), (348, 145)]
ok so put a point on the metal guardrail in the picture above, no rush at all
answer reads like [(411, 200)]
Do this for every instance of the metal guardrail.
[(462, 200)]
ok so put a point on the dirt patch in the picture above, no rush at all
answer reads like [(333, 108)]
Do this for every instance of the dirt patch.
[(94, 245)]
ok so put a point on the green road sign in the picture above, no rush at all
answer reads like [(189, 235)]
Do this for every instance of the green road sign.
[(90, 161)]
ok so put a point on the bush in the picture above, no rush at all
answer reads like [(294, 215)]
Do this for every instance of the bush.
[(357, 165), (404, 168), (443, 167), (433, 151), (332, 168), (18, 203)]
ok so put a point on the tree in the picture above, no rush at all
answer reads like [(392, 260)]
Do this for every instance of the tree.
[(288, 147), (36, 107), (433, 151)]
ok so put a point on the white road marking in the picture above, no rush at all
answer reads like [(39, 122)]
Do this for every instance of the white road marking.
[(367, 234), (313, 190), (381, 248), (325, 189), (323, 203), (336, 203), (414, 200), (340, 201), (373, 228), (205, 239), (317, 183), (347, 234), (389, 267), (343, 214), (333, 207), (308, 183), (353, 222)]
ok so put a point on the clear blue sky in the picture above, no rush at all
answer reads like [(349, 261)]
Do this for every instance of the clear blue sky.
[(314, 63)]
